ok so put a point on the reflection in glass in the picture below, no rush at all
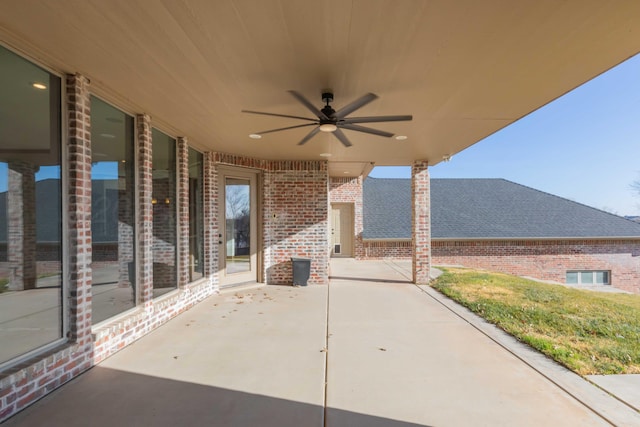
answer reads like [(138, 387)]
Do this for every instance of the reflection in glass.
[(238, 210), (586, 277), (196, 216), (30, 207), (572, 277), (602, 277), (165, 273), (112, 211)]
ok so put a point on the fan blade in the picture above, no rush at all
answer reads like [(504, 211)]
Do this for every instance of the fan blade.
[(308, 104), (377, 119), (342, 137), (358, 103), (365, 130), (280, 115), (288, 127), (309, 136)]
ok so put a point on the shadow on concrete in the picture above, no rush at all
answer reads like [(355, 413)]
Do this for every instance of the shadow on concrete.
[(340, 418), (108, 397), (365, 279)]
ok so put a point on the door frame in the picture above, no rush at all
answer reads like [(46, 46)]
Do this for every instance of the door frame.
[(348, 233), (255, 249)]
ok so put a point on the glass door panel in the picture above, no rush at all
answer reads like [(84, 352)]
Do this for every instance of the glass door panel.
[(238, 243), (238, 229)]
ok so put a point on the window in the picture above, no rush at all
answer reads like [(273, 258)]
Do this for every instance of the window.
[(112, 211), (587, 277), (165, 272), (196, 215), (30, 207)]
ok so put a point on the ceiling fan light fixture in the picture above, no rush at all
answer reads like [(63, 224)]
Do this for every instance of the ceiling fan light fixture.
[(255, 136), (328, 127)]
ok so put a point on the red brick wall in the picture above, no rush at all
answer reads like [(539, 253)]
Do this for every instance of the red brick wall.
[(349, 190), (381, 249), (541, 259), (295, 209), (547, 260)]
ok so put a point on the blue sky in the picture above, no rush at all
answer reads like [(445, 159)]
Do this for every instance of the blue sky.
[(584, 146)]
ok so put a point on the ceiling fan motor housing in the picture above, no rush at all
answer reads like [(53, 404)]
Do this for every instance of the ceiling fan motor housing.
[(327, 96), (329, 112)]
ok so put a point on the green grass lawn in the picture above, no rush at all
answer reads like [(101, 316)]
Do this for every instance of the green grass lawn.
[(588, 332)]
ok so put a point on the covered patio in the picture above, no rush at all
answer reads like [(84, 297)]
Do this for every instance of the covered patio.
[(136, 186), (370, 349)]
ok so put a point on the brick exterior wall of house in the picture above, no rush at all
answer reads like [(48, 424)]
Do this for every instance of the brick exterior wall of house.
[(349, 190), (29, 381), (387, 249), (539, 259), (152, 313), (295, 208), (546, 259)]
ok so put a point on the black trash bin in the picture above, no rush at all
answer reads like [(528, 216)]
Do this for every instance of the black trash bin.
[(301, 270)]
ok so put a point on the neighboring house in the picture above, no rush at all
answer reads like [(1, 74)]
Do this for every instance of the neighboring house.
[(503, 226)]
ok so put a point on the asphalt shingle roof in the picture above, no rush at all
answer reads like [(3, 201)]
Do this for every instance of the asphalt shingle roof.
[(485, 209)]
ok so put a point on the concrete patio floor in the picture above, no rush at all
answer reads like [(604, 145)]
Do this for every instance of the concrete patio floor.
[(370, 349)]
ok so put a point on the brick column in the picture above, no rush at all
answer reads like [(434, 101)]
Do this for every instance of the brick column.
[(145, 211), (79, 201), (183, 212), (421, 221), (211, 226), (21, 225)]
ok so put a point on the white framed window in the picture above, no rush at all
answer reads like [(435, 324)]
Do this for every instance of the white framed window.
[(588, 277)]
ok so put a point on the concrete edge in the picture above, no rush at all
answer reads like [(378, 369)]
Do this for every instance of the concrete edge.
[(605, 405), (605, 383)]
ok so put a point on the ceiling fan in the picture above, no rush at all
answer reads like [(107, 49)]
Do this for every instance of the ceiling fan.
[(330, 120)]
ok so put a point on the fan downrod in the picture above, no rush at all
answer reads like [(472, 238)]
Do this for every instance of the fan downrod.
[(327, 96)]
